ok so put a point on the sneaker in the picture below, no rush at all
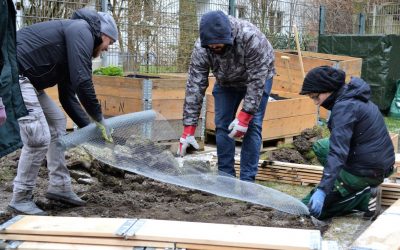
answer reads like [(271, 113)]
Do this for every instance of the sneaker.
[(374, 205)]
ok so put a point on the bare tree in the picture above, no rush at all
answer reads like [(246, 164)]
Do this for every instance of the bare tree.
[(43, 10), (188, 33)]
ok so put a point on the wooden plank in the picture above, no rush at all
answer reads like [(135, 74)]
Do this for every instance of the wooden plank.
[(288, 165), (394, 209), (91, 227), (299, 105), (166, 231), (295, 106), (328, 56), (227, 235), (295, 165), (397, 196), (210, 247), (391, 185), (383, 233), (277, 128), (170, 109), (280, 181), (287, 126), (113, 106), (105, 241), (31, 245), (294, 170)]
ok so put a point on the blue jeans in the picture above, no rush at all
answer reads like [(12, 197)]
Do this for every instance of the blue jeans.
[(227, 101)]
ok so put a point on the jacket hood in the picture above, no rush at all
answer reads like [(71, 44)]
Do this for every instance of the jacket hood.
[(93, 19), (215, 28), (358, 89)]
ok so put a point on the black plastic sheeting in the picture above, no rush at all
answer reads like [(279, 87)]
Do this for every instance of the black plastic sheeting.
[(380, 65)]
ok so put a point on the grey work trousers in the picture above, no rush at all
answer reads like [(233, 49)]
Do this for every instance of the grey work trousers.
[(40, 131)]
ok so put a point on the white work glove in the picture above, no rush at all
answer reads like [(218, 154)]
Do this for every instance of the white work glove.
[(240, 125), (187, 139)]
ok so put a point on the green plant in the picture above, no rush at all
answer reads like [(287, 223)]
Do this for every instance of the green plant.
[(109, 71)]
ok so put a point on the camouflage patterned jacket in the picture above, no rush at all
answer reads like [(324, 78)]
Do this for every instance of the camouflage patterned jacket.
[(248, 63)]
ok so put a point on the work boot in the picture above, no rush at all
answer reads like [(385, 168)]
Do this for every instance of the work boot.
[(65, 195), (374, 205), (22, 203)]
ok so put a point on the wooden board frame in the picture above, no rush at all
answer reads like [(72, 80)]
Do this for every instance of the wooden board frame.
[(194, 235), (283, 118)]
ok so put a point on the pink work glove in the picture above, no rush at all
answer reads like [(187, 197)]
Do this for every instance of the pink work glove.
[(240, 125), (3, 115), (187, 139)]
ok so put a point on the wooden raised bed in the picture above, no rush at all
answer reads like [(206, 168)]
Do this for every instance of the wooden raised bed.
[(282, 81), (53, 93), (121, 95), (283, 118)]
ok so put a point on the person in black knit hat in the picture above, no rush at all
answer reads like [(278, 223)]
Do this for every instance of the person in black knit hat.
[(361, 153)]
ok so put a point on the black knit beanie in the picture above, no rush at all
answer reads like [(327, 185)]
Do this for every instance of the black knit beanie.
[(323, 79), (215, 28)]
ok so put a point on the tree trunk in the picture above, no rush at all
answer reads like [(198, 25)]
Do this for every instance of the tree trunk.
[(188, 33)]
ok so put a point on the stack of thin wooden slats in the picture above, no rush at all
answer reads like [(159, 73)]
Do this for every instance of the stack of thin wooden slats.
[(284, 172), (390, 193), (301, 174)]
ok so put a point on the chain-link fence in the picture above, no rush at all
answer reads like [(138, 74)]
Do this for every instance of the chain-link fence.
[(158, 35)]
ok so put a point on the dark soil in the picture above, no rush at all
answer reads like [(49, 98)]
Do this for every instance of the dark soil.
[(300, 151), (114, 193)]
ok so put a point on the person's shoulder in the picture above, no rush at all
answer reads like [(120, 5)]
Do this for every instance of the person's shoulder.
[(75, 27), (77, 23)]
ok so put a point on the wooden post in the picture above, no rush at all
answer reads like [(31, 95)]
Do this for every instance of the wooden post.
[(296, 36)]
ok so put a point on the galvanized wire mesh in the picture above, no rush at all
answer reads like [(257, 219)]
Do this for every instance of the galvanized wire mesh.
[(137, 148)]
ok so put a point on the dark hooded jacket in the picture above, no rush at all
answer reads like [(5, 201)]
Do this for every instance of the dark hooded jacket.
[(359, 141), (10, 92), (60, 52)]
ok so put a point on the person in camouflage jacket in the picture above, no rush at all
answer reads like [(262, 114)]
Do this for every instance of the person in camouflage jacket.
[(242, 61)]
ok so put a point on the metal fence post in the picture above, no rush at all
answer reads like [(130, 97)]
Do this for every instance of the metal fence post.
[(104, 8), (232, 8), (322, 12), (361, 24), (147, 102)]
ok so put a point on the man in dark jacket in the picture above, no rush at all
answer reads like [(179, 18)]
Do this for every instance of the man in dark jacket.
[(49, 53), (360, 154), (12, 105), (242, 61)]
